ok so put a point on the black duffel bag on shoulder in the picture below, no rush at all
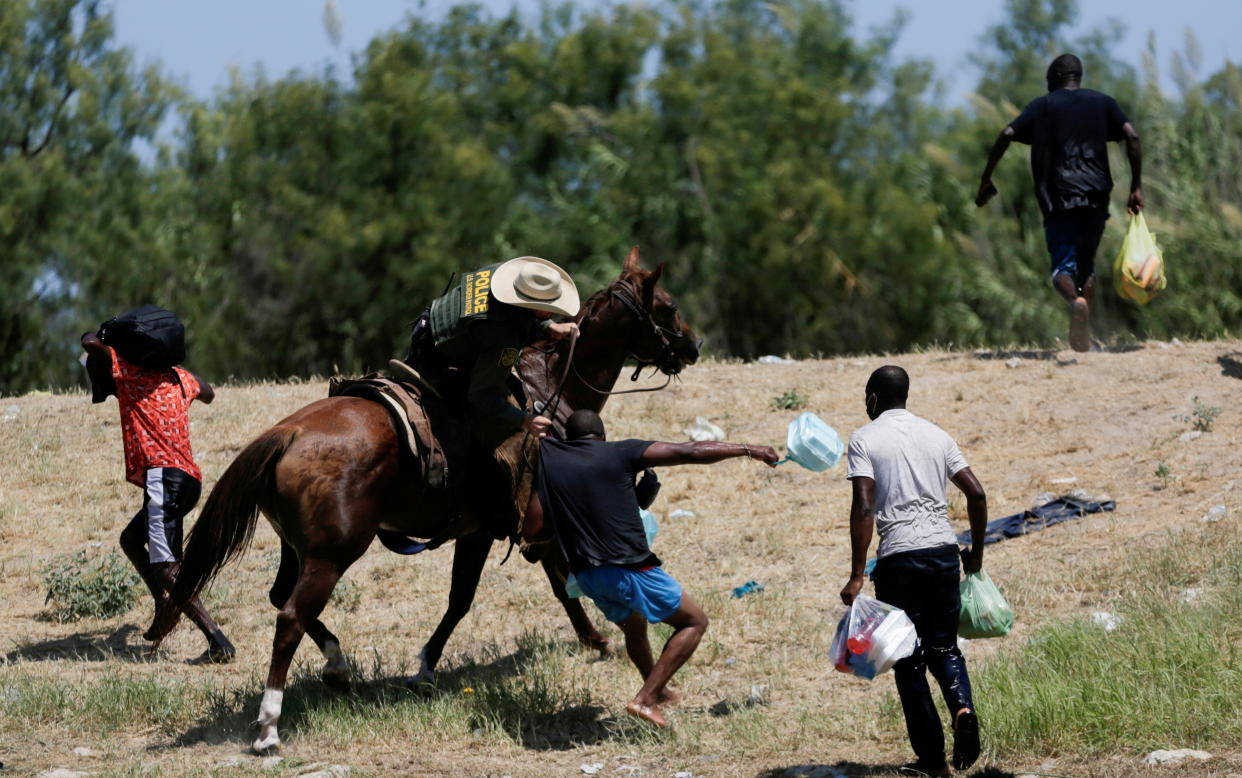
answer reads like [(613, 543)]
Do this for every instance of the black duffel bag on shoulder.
[(149, 336)]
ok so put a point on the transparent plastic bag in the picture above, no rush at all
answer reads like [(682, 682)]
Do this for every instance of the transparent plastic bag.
[(871, 637), (985, 613), (1138, 271), (812, 443)]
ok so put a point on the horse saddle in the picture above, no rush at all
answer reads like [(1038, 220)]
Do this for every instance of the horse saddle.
[(403, 395)]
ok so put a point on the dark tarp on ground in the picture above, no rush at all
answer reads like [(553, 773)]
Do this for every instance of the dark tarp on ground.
[(1035, 519)]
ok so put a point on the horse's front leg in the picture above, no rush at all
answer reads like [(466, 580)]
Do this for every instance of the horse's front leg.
[(557, 569), (469, 556)]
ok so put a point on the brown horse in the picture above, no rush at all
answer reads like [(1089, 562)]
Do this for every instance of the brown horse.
[(330, 475)]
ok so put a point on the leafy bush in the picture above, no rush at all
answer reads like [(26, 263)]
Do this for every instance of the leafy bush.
[(1204, 416), (789, 400), (79, 586)]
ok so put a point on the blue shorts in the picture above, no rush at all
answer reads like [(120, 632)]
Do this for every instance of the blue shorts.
[(619, 591), (1072, 238)]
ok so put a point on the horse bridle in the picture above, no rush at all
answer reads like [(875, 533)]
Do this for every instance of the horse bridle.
[(667, 349)]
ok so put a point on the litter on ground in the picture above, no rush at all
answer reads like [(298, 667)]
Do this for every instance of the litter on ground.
[(1105, 620), (747, 588), (703, 429), (1216, 513), (1035, 519), (1173, 757)]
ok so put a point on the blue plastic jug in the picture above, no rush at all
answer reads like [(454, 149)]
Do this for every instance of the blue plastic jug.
[(650, 526), (812, 443)]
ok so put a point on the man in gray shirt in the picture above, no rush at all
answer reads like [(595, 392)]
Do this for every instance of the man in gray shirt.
[(899, 465)]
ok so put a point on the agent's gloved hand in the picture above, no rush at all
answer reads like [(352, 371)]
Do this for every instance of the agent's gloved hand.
[(647, 488)]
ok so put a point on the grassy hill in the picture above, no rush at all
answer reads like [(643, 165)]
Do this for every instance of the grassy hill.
[(517, 697)]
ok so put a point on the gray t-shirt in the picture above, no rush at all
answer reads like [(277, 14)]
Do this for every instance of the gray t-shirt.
[(910, 459)]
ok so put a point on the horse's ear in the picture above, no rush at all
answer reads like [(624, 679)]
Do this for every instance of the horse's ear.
[(649, 286), (632, 265)]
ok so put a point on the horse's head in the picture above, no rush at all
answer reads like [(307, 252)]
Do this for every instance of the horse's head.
[(660, 337)]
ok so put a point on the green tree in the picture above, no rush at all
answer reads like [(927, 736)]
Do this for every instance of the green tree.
[(72, 190)]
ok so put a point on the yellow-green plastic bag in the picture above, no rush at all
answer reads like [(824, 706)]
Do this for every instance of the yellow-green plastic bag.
[(985, 613), (1138, 272)]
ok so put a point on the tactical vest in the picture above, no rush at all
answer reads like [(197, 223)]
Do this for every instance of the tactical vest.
[(452, 312)]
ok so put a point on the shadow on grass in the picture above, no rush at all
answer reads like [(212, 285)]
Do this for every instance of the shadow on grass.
[(96, 646), (1230, 365), (857, 770), (502, 694)]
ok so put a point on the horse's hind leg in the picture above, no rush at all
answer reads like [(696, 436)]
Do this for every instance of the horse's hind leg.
[(335, 671), (469, 556), (316, 579), (557, 569)]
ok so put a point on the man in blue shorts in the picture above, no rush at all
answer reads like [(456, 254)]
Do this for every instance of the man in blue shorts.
[(585, 494), (1069, 130)]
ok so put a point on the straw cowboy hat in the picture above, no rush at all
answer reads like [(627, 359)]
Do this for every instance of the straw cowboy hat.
[(536, 284)]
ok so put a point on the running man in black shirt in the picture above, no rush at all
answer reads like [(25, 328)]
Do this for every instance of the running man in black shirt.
[(585, 493), (1069, 130)]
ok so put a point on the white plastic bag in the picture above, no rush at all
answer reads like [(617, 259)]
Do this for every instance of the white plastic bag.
[(871, 637), (703, 429)]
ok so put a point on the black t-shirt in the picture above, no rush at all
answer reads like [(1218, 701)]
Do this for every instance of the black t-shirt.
[(587, 491), (1069, 131)]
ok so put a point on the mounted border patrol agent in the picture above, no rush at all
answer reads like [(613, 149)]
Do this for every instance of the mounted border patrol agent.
[(475, 332)]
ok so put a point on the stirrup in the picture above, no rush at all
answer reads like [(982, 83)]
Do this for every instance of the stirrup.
[(403, 372)]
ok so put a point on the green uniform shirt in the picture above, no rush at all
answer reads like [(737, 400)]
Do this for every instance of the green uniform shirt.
[(476, 332)]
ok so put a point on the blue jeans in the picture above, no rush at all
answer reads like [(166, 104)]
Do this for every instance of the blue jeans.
[(1072, 238), (924, 584)]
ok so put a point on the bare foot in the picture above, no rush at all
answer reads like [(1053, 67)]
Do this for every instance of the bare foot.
[(668, 696), (606, 647), (1080, 328), (649, 713)]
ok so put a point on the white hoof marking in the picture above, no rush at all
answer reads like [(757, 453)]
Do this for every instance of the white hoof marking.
[(269, 715)]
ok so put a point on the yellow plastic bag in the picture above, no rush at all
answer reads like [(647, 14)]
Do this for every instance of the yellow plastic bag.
[(1138, 272)]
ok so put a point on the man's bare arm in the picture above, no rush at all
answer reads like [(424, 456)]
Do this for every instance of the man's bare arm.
[(705, 452), (977, 510), (206, 393), (986, 189), (862, 527), (1134, 152)]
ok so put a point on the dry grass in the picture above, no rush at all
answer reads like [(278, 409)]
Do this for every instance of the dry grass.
[(541, 707)]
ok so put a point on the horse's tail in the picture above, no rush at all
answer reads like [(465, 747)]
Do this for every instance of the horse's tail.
[(226, 525)]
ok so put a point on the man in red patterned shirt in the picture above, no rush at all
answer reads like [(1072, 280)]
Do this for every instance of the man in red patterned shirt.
[(155, 431)]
